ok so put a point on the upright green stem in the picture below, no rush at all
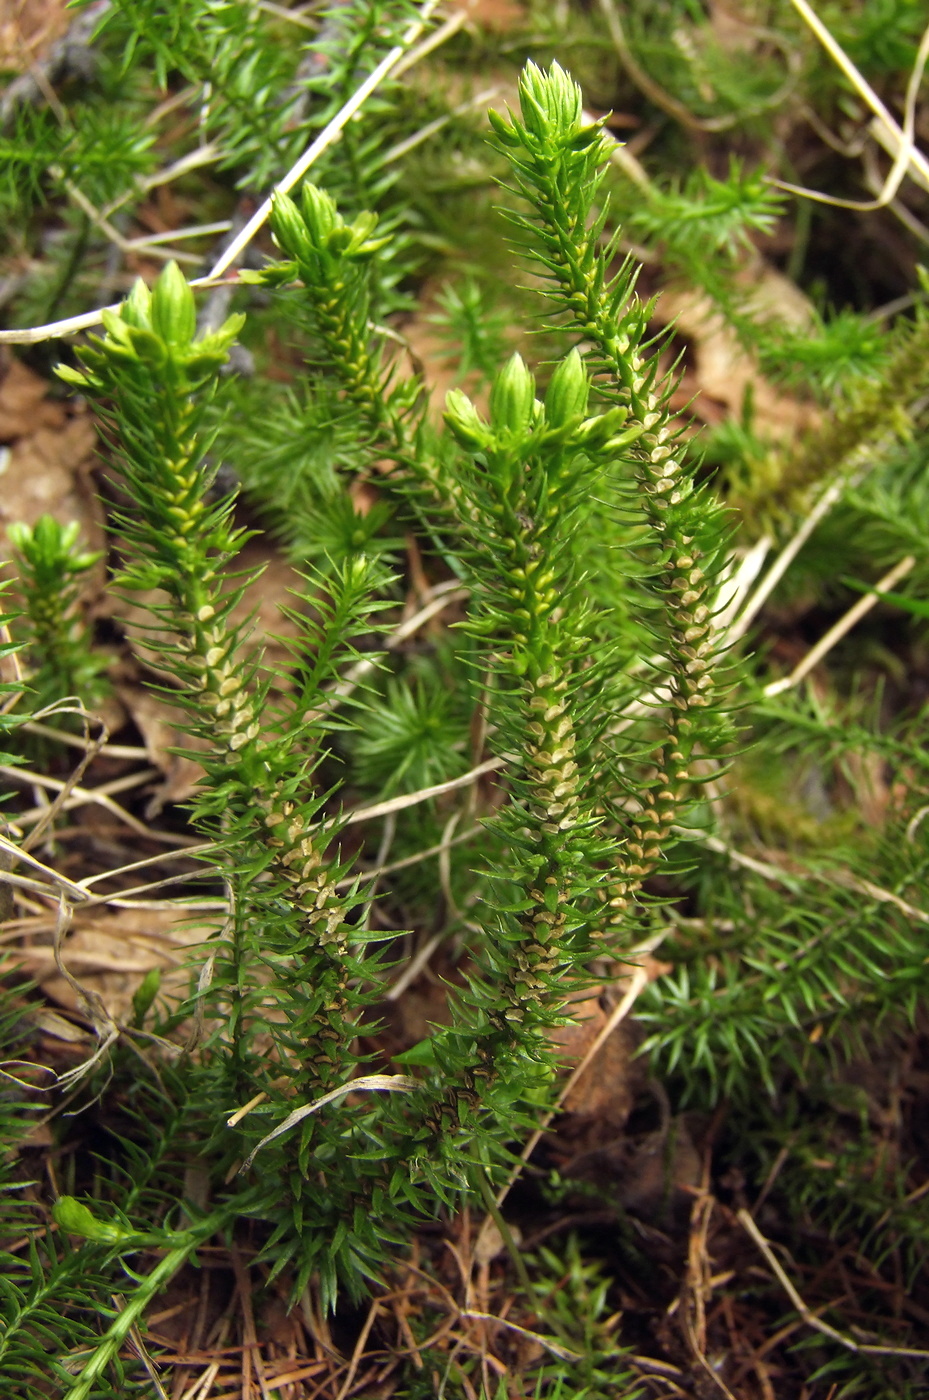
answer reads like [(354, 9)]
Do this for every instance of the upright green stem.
[(75, 1218), (114, 1339), (533, 467), (330, 257), (558, 166), (159, 377)]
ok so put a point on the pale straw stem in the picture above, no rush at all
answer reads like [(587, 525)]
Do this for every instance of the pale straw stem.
[(845, 624)]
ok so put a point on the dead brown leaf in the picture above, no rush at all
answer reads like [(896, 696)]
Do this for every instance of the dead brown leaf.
[(605, 1090), (27, 28), (497, 15), (24, 406), (724, 371), (47, 471), (44, 475), (109, 953), (161, 726)]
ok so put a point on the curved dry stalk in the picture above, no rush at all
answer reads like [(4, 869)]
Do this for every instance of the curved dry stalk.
[(899, 139), (34, 335)]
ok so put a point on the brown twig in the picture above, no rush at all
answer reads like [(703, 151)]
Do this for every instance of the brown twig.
[(810, 1318), (697, 1285), (358, 1352)]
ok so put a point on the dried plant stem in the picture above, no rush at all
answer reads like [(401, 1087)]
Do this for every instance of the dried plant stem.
[(902, 140), (69, 325), (830, 497), (322, 143), (844, 625), (810, 1318)]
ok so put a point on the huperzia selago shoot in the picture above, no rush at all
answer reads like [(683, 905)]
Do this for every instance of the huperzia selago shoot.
[(333, 261), (528, 473), (283, 966), (155, 381), (50, 570), (558, 161), (594, 752)]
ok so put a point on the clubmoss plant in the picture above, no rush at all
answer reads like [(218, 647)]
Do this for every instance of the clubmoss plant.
[(508, 495), (49, 569), (286, 954), (158, 379), (591, 686), (558, 163), (333, 260)]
